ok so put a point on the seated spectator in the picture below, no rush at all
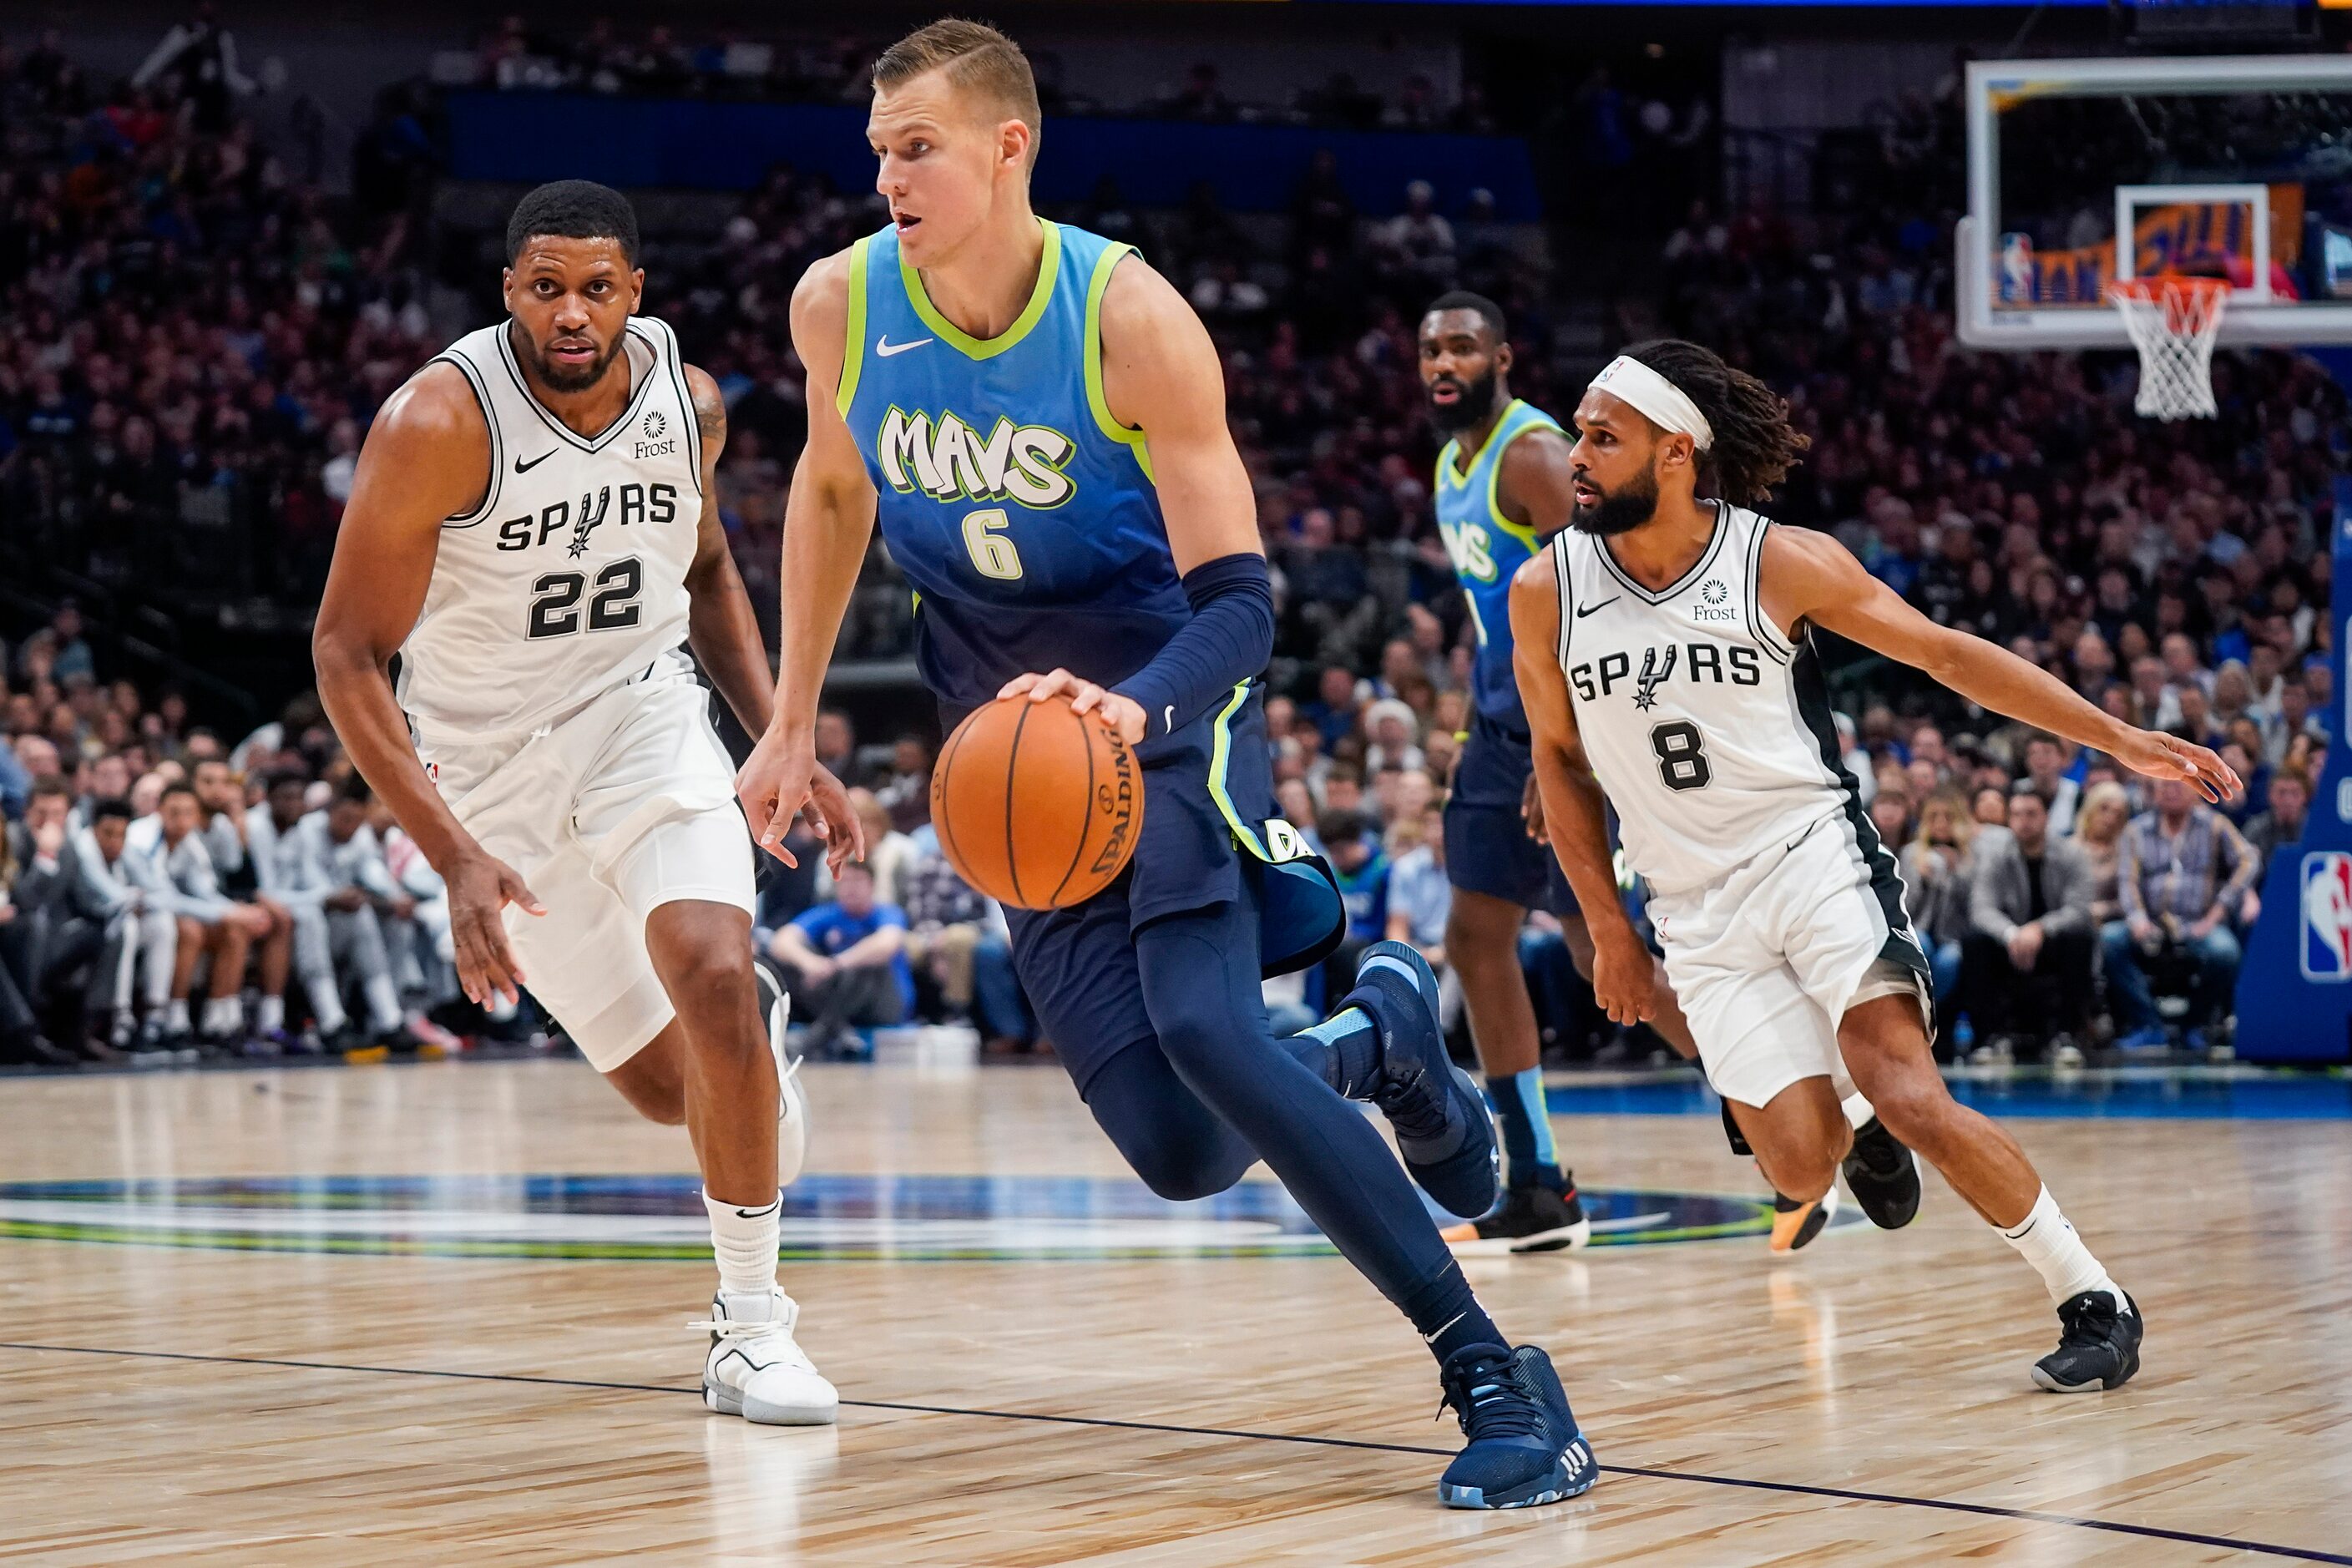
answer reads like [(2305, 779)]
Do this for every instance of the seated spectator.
[(2279, 827), (2045, 766), (2184, 871), (1391, 725), (167, 854), (957, 936), (2099, 825), (888, 852), (1419, 897), (906, 794), (1890, 808), (222, 795), (1362, 874), (1991, 807), (2028, 952), (844, 963), (22, 1043), (1936, 870)]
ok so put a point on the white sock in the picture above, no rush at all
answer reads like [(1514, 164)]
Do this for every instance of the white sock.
[(327, 1005), (270, 1013), (384, 1003), (2047, 1240), (176, 1016), (224, 1015), (1857, 1111), (745, 1245)]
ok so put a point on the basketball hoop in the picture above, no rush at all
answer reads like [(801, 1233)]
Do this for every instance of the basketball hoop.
[(2172, 321)]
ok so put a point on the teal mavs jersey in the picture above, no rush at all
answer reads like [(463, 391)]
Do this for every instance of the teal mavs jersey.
[(1487, 547), (1021, 511)]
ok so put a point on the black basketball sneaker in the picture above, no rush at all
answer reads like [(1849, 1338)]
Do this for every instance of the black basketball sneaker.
[(2098, 1344), (1528, 1219), (1883, 1176)]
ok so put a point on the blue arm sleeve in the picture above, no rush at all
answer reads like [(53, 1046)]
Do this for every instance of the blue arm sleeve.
[(1228, 640)]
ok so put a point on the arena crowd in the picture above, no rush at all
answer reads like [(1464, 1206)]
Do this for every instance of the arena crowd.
[(204, 338)]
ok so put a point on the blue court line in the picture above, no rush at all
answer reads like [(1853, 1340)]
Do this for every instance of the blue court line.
[(1839, 1494), (2150, 1094)]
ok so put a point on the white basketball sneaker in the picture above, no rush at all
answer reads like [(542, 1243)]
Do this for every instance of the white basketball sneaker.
[(792, 1106), (757, 1371)]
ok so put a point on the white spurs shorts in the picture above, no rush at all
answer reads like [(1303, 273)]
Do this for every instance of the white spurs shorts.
[(1766, 959), (623, 806)]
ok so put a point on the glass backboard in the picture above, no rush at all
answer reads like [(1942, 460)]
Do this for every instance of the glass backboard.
[(2082, 173)]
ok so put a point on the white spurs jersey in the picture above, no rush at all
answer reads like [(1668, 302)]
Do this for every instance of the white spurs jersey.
[(1710, 733), (569, 577)]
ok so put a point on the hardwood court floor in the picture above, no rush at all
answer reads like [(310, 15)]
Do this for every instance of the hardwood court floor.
[(471, 1369)]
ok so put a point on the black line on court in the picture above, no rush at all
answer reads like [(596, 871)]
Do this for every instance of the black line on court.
[(1840, 1494)]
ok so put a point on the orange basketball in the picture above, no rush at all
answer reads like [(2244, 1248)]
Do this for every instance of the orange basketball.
[(1036, 805)]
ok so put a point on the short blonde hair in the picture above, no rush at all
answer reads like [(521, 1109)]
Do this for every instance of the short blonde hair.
[(977, 59)]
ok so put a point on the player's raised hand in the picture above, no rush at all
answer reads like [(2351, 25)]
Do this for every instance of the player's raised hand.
[(829, 817), (480, 886), (1124, 714), (2163, 756)]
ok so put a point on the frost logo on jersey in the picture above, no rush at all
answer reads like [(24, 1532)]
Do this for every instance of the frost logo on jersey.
[(652, 445), (1654, 671), (586, 522), (950, 460), (1714, 608), (2328, 915)]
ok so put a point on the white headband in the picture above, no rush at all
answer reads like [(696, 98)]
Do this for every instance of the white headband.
[(1669, 407)]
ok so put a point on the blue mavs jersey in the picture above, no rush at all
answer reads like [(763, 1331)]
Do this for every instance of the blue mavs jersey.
[(1487, 547), (1023, 512)]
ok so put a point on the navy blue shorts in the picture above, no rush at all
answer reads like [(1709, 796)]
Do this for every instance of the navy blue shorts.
[(1078, 964), (1487, 849)]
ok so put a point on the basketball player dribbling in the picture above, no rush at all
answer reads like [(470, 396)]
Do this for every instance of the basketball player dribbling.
[(532, 529), (1503, 487), (1665, 654), (1038, 418)]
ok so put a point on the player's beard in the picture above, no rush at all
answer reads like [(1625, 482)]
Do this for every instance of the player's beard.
[(1471, 408), (558, 379), (1620, 510)]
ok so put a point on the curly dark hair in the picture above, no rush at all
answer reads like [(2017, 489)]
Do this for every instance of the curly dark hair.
[(1755, 446)]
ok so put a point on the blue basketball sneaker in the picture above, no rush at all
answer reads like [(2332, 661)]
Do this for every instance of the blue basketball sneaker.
[(1524, 1447), (1442, 1123)]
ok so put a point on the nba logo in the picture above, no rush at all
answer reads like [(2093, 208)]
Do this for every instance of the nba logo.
[(2328, 915), (2017, 283)]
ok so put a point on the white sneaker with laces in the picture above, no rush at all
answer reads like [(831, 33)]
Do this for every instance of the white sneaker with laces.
[(791, 1105), (756, 1369)]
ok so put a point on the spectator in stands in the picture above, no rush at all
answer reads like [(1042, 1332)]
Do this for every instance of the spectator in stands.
[(845, 962), (2045, 768), (2183, 872), (888, 852), (957, 936), (22, 1043), (837, 743), (1938, 870), (2028, 955), (1353, 849), (2288, 803), (2099, 825)]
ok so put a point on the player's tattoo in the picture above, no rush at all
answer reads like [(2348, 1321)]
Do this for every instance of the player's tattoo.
[(709, 416)]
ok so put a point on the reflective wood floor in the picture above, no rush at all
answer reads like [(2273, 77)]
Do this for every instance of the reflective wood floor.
[(409, 1356)]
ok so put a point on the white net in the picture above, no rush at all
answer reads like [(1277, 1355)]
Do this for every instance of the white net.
[(2172, 322)]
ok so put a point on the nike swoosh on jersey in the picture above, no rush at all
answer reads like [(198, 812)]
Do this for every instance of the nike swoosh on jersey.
[(884, 348), (1584, 610), (523, 467)]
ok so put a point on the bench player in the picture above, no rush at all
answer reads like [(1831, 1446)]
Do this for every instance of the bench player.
[(532, 529), (1665, 644)]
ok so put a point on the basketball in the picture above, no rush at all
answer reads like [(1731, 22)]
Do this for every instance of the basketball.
[(1037, 804)]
